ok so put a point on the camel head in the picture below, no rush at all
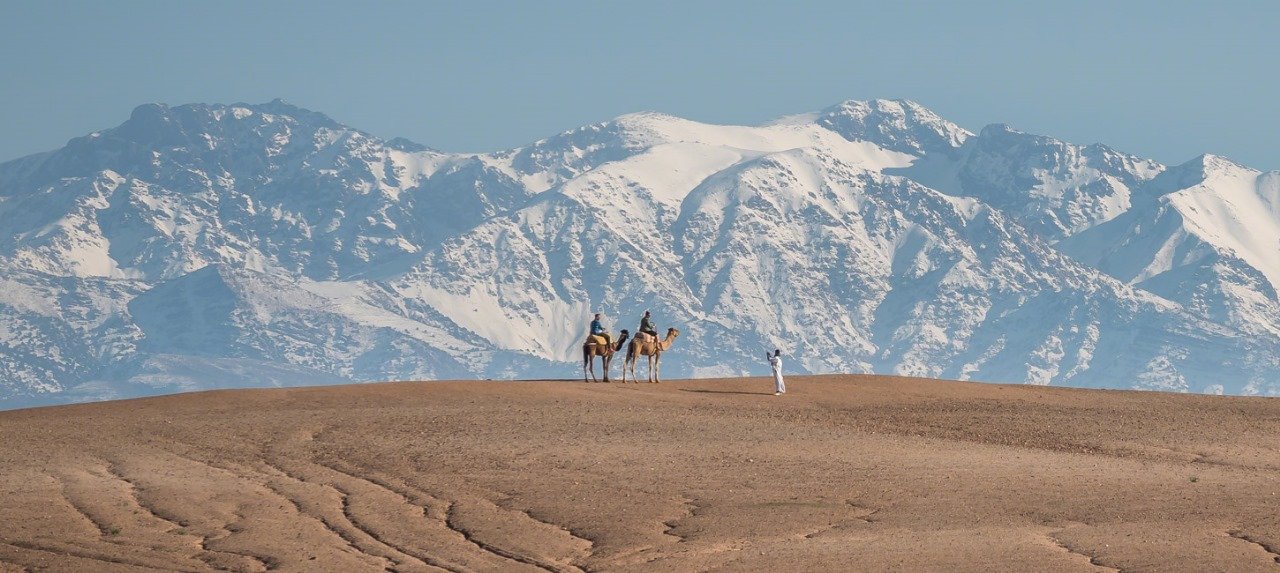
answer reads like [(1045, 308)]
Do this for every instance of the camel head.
[(672, 333)]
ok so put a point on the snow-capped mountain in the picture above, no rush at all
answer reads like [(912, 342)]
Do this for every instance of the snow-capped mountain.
[(204, 246), (1204, 234), (1052, 188)]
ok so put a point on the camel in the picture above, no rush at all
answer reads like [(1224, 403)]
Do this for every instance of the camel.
[(595, 346), (651, 348)]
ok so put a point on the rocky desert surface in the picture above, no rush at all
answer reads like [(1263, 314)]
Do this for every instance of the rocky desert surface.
[(844, 473)]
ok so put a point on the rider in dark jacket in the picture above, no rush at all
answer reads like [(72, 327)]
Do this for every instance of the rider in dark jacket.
[(646, 326)]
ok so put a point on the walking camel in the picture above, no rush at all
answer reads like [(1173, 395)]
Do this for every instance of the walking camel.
[(596, 346), (651, 348)]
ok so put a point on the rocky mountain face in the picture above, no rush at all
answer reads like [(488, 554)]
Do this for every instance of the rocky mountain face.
[(209, 246)]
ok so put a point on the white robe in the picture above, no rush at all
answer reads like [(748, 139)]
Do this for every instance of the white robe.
[(779, 386)]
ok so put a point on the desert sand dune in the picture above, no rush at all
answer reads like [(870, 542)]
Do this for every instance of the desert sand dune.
[(844, 473)]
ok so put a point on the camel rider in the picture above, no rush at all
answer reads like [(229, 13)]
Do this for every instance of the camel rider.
[(646, 326), (598, 329)]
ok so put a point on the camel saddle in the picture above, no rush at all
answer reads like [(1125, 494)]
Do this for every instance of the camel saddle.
[(596, 339)]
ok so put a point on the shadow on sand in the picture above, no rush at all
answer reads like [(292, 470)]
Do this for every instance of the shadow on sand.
[(727, 392)]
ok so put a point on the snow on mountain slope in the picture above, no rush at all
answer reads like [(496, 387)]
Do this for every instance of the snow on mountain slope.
[(174, 189), (1205, 234), (203, 246), (1053, 188), (553, 161), (898, 125), (623, 210), (845, 268), (56, 332), (852, 270)]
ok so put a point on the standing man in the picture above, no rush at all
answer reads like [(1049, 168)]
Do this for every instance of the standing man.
[(646, 326), (598, 329), (775, 361)]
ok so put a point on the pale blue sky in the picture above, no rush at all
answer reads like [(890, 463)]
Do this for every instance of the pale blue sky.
[(1167, 80)]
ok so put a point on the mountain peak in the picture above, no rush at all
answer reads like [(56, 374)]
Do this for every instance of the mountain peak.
[(1209, 164), (148, 110), (900, 125), (998, 129), (646, 116), (158, 115), (1198, 171), (162, 142), (162, 124), (404, 144), (278, 106)]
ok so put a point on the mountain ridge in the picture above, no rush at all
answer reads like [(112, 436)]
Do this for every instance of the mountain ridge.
[(866, 237)]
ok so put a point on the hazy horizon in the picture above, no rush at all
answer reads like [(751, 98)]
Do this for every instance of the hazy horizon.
[(1156, 80)]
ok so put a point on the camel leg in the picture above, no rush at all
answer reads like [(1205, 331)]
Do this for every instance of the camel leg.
[(657, 368), (629, 362), (586, 362), (591, 361), (604, 363)]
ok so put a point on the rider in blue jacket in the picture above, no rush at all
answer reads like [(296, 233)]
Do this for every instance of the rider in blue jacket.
[(598, 329)]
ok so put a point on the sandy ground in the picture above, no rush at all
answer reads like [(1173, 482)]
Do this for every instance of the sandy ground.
[(844, 473)]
